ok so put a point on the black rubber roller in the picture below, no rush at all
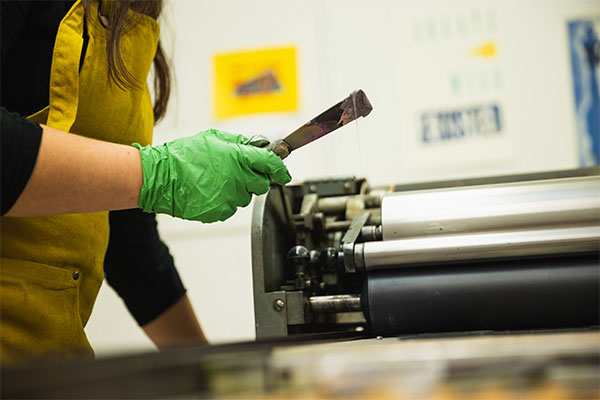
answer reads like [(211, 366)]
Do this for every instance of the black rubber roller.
[(506, 295)]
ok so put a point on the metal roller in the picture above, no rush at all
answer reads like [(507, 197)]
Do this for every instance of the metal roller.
[(335, 303), (567, 202), (504, 295), (473, 247)]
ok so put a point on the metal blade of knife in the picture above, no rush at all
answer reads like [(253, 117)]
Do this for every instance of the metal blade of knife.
[(355, 105)]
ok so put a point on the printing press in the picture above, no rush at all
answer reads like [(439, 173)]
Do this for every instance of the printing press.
[(476, 288), (509, 253)]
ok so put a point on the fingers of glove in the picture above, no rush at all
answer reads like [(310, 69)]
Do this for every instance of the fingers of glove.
[(244, 199), (265, 161), (227, 210), (257, 183), (227, 137), (227, 213), (227, 201), (220, 213)]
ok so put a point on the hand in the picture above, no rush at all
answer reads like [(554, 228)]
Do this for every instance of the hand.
[(205, 177)]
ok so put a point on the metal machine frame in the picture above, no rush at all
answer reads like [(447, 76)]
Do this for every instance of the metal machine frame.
[(333, 218)]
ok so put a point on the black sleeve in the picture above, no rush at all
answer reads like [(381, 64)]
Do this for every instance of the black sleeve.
[(20, 141), (139, 267)]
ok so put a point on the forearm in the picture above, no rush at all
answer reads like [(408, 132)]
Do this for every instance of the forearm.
[(177, 325), (75, 174)]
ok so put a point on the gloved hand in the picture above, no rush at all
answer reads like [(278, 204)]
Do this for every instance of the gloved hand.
[(205, 177)]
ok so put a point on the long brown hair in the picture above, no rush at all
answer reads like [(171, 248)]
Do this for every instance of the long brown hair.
[(117, 71)]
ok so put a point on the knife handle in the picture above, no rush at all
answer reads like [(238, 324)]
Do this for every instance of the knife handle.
[(281, 148)]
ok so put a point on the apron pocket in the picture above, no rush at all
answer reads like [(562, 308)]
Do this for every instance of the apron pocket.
[(39, 309)]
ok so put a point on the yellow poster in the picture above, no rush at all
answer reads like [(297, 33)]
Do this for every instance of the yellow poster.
[(256, 81)]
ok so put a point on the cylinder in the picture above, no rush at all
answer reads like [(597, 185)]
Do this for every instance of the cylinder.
[(370, 233), (480, 246), (528, 294), (566, 202), (336, 303)]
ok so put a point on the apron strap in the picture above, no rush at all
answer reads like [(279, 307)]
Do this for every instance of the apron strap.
[(64, 73)]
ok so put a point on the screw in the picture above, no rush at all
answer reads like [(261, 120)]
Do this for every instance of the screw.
[(278, 305)]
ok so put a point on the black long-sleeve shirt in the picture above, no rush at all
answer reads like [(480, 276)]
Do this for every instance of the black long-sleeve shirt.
[(19, 149), (137, 263)]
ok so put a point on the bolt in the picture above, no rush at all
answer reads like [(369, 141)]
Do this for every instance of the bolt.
[(278, 305)]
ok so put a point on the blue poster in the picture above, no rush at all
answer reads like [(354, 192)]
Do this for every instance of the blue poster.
[(584, 48)]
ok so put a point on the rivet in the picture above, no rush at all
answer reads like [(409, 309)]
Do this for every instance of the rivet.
[(75, 275), (278, 305)]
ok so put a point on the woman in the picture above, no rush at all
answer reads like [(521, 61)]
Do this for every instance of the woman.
[(84, 65)]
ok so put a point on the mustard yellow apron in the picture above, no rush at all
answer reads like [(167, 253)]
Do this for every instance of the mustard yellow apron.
[(52, 267)]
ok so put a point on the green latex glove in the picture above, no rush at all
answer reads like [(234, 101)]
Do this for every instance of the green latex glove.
[(205, 177)]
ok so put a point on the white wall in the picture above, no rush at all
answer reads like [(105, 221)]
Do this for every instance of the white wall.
[(402, 54)]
